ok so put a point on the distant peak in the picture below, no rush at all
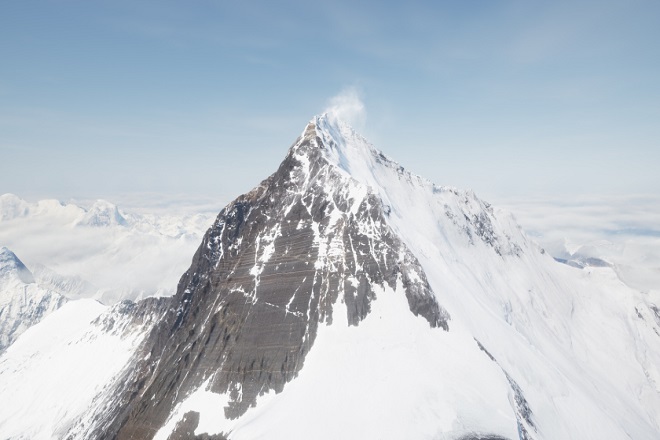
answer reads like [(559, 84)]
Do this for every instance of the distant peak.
[(6, 253), (102, 213), (11, 265), (7, 256)]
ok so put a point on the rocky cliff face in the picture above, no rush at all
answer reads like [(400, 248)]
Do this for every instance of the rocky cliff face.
[(270, 270), (316, 307)]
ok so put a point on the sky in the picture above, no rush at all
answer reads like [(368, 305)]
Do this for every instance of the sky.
[(104, 99)]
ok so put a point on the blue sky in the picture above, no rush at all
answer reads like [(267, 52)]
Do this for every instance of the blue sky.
[(509, 98)]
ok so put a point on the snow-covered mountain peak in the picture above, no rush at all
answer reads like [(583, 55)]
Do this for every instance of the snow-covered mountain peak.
[(460, 218), (332, 128), (12, 267), (342, 146), (102, 213)]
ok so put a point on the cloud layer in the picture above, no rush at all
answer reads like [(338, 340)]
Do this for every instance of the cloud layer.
[(622, 230), (145, 256)]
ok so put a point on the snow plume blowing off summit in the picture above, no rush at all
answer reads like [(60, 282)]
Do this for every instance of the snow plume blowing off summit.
[(348, 106), (345, 297)]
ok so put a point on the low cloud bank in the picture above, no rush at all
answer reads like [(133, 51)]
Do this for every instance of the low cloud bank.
[(145, 256), (623, 230)]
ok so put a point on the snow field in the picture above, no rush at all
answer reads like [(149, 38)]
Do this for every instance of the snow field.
[(50, 375)]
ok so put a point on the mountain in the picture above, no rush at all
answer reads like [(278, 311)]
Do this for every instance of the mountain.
[(73, 287), (22, 302), (51, 375), (345, 297), (101, 214)]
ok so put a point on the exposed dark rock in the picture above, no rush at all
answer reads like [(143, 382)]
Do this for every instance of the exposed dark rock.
[(268, 272), (522, 409), (656, 312), (482, 348), (479, 225), (185, 429), (126, 315)]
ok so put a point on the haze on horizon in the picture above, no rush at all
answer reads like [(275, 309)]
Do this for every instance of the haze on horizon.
[(508, 98)]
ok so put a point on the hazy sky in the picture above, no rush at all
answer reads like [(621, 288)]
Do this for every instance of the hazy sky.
[(510, 98)]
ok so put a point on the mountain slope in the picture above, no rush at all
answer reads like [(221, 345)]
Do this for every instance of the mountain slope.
[(542, 323), (266, 275), (51, 375), (347, 298), (22, 302), (322, 255)]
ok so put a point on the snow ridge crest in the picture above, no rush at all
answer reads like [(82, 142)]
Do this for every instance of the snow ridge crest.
[(353, 154)]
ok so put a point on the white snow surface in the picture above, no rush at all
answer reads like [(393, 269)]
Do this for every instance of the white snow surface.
[(51, 374), (23, 302), (389, 377), (582, 347)]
